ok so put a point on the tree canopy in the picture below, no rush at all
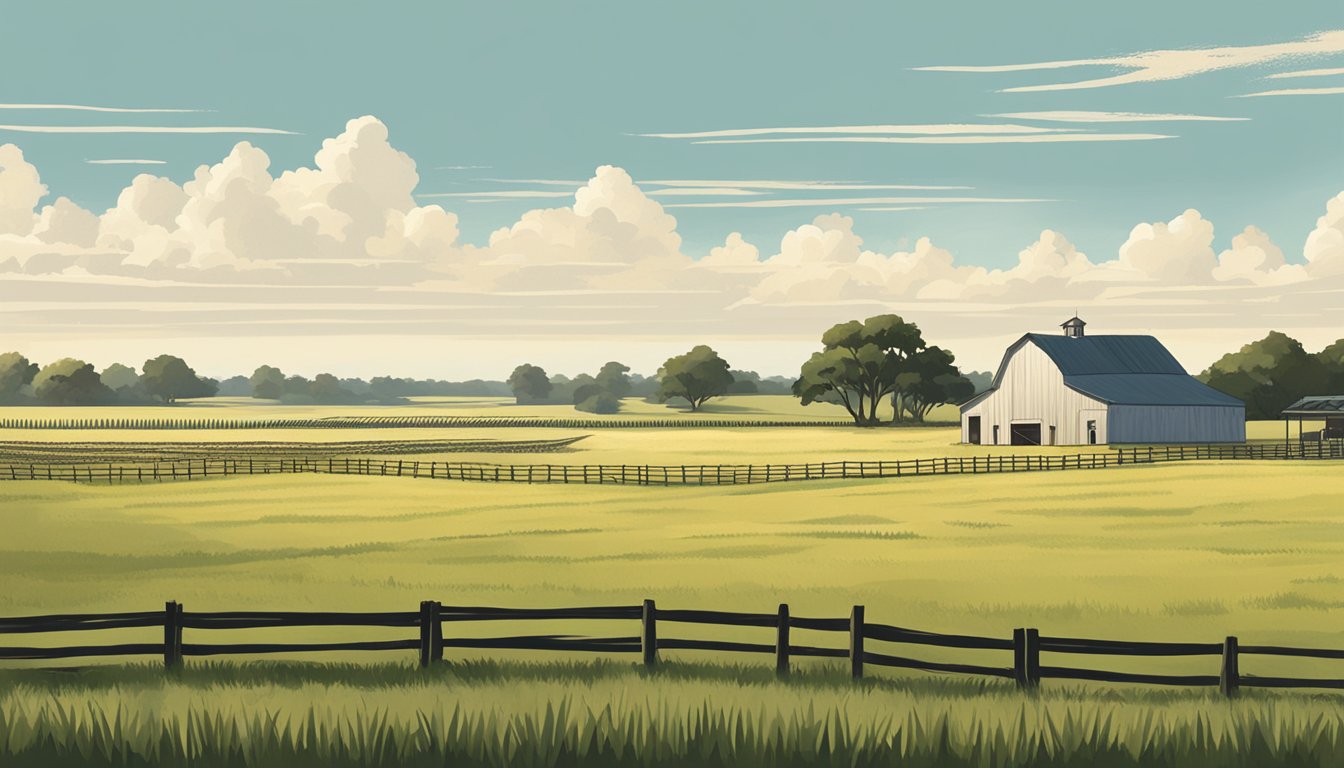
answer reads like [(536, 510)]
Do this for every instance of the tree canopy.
[(70, 382), (694, 377), (614, 378), (268, 382), (529, 384), (169, 378), (1273, 373), (16, 372), (928, 380), (861, 363)]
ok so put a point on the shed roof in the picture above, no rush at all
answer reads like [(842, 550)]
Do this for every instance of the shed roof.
[(1327, 405)]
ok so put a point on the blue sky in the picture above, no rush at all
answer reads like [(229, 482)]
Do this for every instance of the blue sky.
[(553, 90), (519, 98)]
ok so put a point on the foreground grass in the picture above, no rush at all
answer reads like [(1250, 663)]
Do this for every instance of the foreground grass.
[(613, 714)]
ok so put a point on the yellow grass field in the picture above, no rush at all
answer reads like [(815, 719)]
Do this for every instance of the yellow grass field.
[(1185, 552)]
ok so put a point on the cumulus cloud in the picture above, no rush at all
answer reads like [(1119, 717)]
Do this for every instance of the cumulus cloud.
[(1176, 252), (20, 189), (341, 246), (1324, 250)]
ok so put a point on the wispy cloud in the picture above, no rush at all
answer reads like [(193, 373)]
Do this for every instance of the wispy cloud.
[(846, 201), (1149, 66), (896, 208), (498, 195), (1049, 138), (1113, 117), (542, 182), (701, 192), (1307, 73), (1295, 92), (143, 129), (821, 186), (934, 129), (119, 161), (84, 108)]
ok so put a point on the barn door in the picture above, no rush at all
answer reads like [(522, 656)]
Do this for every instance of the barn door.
[(1025, 433)]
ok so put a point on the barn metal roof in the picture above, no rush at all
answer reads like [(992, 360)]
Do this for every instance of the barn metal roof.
[(1087, 355), (1149, 389), (1316, 406), (1119, 370)]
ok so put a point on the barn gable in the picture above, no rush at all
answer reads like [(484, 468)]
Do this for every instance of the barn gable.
[(1076, 389), (1118, 370)]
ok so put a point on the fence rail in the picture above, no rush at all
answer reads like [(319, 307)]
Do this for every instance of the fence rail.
[(435, 623), (415, 422), (665, 475)]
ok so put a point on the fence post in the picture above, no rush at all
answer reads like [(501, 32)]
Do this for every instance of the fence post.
[(782, 641), (1027, 658), (648, 638), (172, 635), (856, 642), (431, 633), (1229, 681)]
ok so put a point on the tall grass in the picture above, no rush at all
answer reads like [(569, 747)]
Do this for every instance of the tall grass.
[(502, 714)]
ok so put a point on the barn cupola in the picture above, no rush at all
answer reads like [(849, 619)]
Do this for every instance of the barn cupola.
[(1073, 327)]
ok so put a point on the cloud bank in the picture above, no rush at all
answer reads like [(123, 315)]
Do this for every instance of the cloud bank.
[(343, 248)]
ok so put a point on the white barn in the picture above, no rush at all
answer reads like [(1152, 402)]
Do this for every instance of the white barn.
[(1076, 389)]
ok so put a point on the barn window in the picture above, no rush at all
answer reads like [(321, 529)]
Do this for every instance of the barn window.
[(996, 434)]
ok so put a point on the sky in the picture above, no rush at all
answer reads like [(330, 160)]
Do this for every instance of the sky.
[(447, 189)]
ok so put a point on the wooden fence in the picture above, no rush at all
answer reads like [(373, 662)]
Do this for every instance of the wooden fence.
[(665, 475), (418, 422), (658, 630)]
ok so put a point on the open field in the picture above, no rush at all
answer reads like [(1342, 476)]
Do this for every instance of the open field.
[(1178, 552), (735, 407)]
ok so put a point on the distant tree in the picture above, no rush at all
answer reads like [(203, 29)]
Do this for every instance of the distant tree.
[(929, 380), (16, 372), (981, 380), (70, 382), (1332, 360), (744, 383), (859, 363), (268, 383), (614, 378), (529, 384), (592, 398), (694, 377), (1268, 375), (326, 389), (169, 378), (235, 386), (296, 388), (117, 376)]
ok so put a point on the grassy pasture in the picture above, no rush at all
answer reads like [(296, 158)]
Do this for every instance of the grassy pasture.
[(748, 407), (1187, 552), (1171, 552)]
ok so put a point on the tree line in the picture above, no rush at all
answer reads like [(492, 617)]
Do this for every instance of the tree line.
[(861, 364), (1274, 372), (69, 381)]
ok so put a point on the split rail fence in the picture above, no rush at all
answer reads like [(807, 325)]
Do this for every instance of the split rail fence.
[(415, 422), (658, 631), (702, 474)]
